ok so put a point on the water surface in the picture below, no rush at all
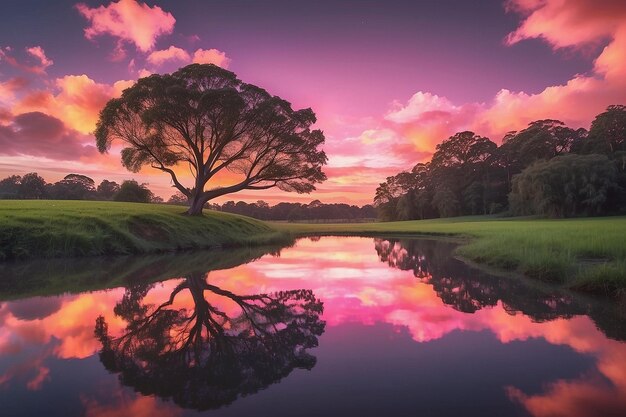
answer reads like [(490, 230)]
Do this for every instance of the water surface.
[(330, 326)]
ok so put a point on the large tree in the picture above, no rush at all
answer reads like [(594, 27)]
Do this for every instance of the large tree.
[(205, 117)]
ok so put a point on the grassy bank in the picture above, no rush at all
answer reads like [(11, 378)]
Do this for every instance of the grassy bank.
[(584, 254), (44, 228), (46, 277)]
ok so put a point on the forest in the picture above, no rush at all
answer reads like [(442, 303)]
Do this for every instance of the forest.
[(545, 169)]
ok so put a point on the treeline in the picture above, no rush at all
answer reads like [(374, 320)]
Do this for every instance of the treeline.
[(547, 168), (316, 210), (74, 187)]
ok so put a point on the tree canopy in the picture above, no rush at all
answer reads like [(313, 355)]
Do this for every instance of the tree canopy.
[(206, 118), (547, 168)]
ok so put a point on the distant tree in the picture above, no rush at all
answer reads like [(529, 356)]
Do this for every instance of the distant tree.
[(178, 199), (262, 204), (205, 117), (73, 187), (9, 187), (32, 186), (568, 185), (107, 189), (608, 131), (133, 192)]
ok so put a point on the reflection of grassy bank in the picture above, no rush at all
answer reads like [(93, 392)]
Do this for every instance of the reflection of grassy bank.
[(58, 276), (82, 228), (586, 254)]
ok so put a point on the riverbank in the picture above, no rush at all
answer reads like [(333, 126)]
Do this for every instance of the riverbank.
[(581, 254), (587, 254), (49, 229)]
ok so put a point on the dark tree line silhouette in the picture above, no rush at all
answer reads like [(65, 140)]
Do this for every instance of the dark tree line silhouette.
[(74, 187), (81, 187), (315, 210), (547, 168)]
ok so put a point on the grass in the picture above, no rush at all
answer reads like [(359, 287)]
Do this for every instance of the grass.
[(584, 254), (46, 228)]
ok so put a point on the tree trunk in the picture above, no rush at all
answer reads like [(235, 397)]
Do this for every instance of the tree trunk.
[(196, 204)]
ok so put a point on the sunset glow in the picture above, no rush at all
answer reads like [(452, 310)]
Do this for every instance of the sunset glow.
[(386, 86)]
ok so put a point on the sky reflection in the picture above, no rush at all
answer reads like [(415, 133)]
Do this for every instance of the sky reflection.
[(377, 294)]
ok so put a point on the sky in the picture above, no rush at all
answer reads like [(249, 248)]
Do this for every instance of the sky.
[(387, 79)]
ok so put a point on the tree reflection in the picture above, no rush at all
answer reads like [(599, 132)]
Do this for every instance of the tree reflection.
[(469, 290), (200, 356)]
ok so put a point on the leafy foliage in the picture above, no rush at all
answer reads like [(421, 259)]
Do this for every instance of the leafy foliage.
[(204, 117), (564, 186), (469, 174)]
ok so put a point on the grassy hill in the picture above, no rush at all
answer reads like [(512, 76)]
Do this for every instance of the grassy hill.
[(48, 228)]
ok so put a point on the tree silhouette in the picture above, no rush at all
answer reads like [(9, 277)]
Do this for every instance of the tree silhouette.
[(206, 118), (203, 358)]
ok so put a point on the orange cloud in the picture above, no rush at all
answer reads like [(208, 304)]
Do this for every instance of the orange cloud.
[(76, 100), (211, 56), (129, 21)]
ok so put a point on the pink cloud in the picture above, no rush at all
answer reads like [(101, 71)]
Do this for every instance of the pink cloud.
[(38, 63), (427, 119), (567, 23), (173, 53), (39, 53), (9, 88), (129, 21), (211, 56), (39, 134)]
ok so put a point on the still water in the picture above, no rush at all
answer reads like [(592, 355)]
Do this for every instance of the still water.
[(328, 327)]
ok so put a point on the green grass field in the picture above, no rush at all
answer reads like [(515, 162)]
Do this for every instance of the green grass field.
[(45, 228), (584, 254)]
